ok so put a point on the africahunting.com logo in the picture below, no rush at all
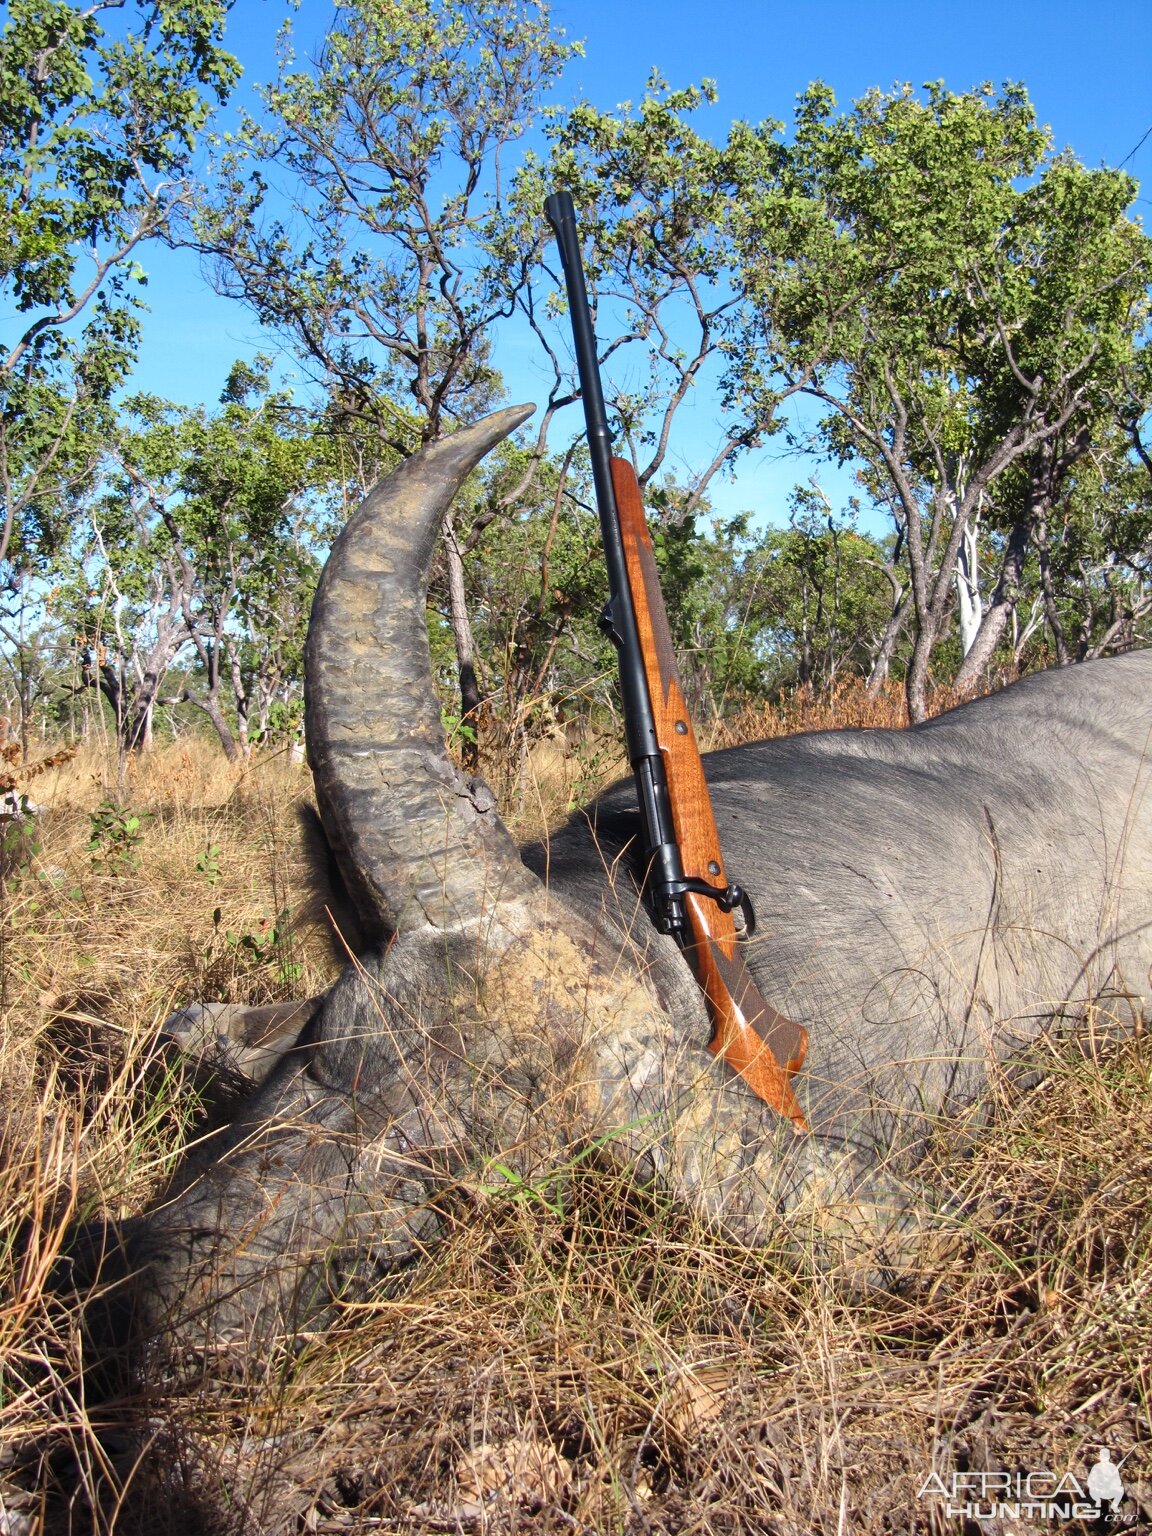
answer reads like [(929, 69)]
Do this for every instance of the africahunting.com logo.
[(1029, 1495)]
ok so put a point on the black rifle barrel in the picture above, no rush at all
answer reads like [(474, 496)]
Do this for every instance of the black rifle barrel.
[(665, 872)]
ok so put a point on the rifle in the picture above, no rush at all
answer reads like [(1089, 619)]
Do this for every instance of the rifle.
[(685, 882)]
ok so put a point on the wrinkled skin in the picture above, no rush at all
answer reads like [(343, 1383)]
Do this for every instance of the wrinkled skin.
[(926, 901)]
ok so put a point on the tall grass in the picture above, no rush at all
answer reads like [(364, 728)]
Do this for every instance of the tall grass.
[(539, 781), (601, 1365), (846, 704)]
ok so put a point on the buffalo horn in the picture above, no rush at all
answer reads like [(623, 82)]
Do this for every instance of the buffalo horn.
[(419, 844)]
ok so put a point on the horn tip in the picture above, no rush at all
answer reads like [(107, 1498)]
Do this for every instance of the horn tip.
[(518, 414)]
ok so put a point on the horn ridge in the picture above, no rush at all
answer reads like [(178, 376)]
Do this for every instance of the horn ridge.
[(419, 843)]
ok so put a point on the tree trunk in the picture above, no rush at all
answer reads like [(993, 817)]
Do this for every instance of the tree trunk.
[(211, 707), (968, 588), (1001, 608), (208, 651), (916, 683), (133, 709), (882, 661), (933, 594), (241, 698), (133, 703), (144, 728), (919, 579), (1047, 587)]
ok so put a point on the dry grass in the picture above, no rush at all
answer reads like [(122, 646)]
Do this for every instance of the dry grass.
[(845, 705), (598, 1364), (539, 782)]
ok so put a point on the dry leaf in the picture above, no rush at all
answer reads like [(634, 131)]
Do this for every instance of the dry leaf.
[(524, 1470), (696, 1399)]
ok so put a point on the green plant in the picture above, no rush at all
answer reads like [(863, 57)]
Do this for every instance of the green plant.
[(597, 761), (116, 835), (19, 836), (285, 723), (270, 946), (208, 864), (457, 729)]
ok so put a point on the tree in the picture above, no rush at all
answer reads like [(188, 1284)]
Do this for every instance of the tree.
[(1094, 552), (205, 537), (535, 592), (392, 266), (654, 196), (97, 132), (818, 595), (965, 330)]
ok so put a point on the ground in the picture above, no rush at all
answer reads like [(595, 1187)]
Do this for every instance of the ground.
[(575, 1357)]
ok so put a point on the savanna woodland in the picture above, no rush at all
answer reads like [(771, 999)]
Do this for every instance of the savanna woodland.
[(964, 314)]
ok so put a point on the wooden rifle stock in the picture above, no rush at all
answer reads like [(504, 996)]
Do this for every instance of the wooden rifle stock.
[(684, 877), (754, 1038)]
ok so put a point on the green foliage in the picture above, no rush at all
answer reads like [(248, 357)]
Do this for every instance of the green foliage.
[(400, 252), (1093, 561), (457, 730), (19, 837), (116, 835), (398, 255), (208, 863), (97, 130), (536, 587), (969, 310), (813, 599), (654, 196), (967, 306), (285, 718), (267, 952), (205, 537), (750, 611)]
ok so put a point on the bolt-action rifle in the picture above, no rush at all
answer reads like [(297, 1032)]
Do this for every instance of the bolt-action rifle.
[(685, 882)]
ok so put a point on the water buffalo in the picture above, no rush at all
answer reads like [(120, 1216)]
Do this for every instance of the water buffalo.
[(927, 900)]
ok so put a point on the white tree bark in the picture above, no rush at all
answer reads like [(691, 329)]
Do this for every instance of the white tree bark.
[(968, 585)]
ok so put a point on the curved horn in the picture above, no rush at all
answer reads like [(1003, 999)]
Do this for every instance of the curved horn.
[(419, 844)]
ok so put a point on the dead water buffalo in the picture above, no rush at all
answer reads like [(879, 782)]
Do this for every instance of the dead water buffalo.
[(927, 900)]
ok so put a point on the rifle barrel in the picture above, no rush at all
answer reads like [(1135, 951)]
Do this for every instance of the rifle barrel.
[(661, 854)]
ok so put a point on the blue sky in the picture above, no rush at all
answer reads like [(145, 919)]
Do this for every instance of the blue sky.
[(1086, 69)]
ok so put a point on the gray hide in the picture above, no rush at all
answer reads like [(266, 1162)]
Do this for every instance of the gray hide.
[(927, 899)]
